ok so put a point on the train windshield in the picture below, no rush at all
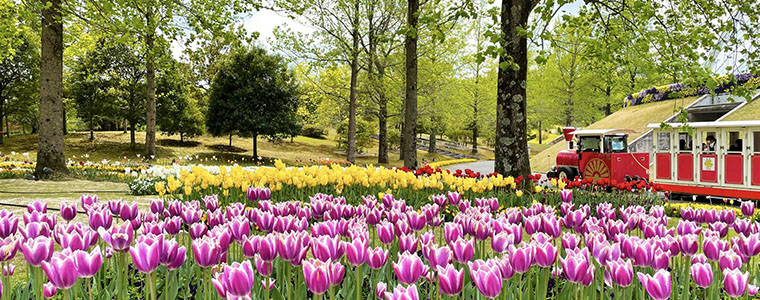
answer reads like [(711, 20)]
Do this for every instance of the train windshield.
[(589, 144), (615, 144)]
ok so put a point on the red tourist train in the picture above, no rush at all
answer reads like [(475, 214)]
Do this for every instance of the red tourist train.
[(719, 159), (600, 154)]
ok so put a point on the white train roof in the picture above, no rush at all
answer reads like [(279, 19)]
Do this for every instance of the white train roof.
[(714, 124)]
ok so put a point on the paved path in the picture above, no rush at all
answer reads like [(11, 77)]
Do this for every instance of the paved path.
[(483, 166)]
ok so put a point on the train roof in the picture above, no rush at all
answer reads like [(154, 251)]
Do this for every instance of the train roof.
[(602, 132), (715, 124)]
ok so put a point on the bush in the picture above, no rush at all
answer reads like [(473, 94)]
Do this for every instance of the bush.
[(364, 132), (313, 131)]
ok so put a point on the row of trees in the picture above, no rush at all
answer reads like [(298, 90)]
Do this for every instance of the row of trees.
[(440, 66)]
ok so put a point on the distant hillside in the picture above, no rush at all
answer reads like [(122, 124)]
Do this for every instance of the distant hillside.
[(635, 118)]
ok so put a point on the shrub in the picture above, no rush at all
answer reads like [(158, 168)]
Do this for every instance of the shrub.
[(313, 131), (364, 132)]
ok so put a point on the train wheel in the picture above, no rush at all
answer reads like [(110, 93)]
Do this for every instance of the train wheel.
[(565, 173)]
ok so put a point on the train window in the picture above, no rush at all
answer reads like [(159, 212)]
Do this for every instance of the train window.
[(684, 142), (756, 140), (589, 143), (709, 141), (734, 142), (615, 144), (663, 141)]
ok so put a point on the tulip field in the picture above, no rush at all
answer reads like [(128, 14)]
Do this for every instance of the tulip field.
[(227, 236)]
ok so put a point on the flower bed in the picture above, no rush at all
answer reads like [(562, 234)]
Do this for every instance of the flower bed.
[(567, 245), (678, 90)]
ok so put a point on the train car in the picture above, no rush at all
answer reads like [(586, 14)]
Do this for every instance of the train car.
[(600, 154), (719, 158)]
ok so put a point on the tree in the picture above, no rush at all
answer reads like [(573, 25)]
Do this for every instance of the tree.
[(178, 113), (92, 87), (336, 40), (157, 24), (410, 101), (19, 75), (383, 21), (254, 93), (107, 84), (50, 157)]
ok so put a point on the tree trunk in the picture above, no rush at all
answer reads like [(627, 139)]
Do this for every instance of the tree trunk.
[(475, 139), (608, 106), (410, 103), (7, 129), (540, 133), (431, 140), (351, 149), (382, 120), (402, 144), (255, 146), (65, 124), (150, 103), (132, 142), (512, 156), (50, 156), (230, 140), (181, 137), (92, 132)]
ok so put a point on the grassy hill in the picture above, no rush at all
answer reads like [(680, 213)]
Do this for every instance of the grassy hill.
[(750, 111), (635, 118)]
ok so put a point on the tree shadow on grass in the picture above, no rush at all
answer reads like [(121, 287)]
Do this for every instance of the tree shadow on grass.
[(178, 143), (226, 148)]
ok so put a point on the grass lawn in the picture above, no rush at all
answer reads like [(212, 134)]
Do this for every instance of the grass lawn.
[(114, 145)]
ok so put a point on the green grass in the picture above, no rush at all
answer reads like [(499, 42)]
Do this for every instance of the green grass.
[(750, 111), (115, 145)]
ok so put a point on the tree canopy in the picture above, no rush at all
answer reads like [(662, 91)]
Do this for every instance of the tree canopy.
[(253, 93)]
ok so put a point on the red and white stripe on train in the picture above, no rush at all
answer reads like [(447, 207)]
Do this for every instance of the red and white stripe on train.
[(720, 158)]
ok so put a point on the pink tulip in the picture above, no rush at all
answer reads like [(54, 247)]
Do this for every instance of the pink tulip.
[(487, 277), (88, 264), (317, 275), (68, 211), (658, 286), (522, 258), (37, 250), (450, 280), (702, 274), (735, 282), (62, 269), (118, 237), (409, 268), (463, 250), (146, 253), (235, 281)]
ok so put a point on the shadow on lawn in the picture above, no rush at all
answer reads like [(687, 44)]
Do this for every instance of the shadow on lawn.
[(226, 148), (178, 143)]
